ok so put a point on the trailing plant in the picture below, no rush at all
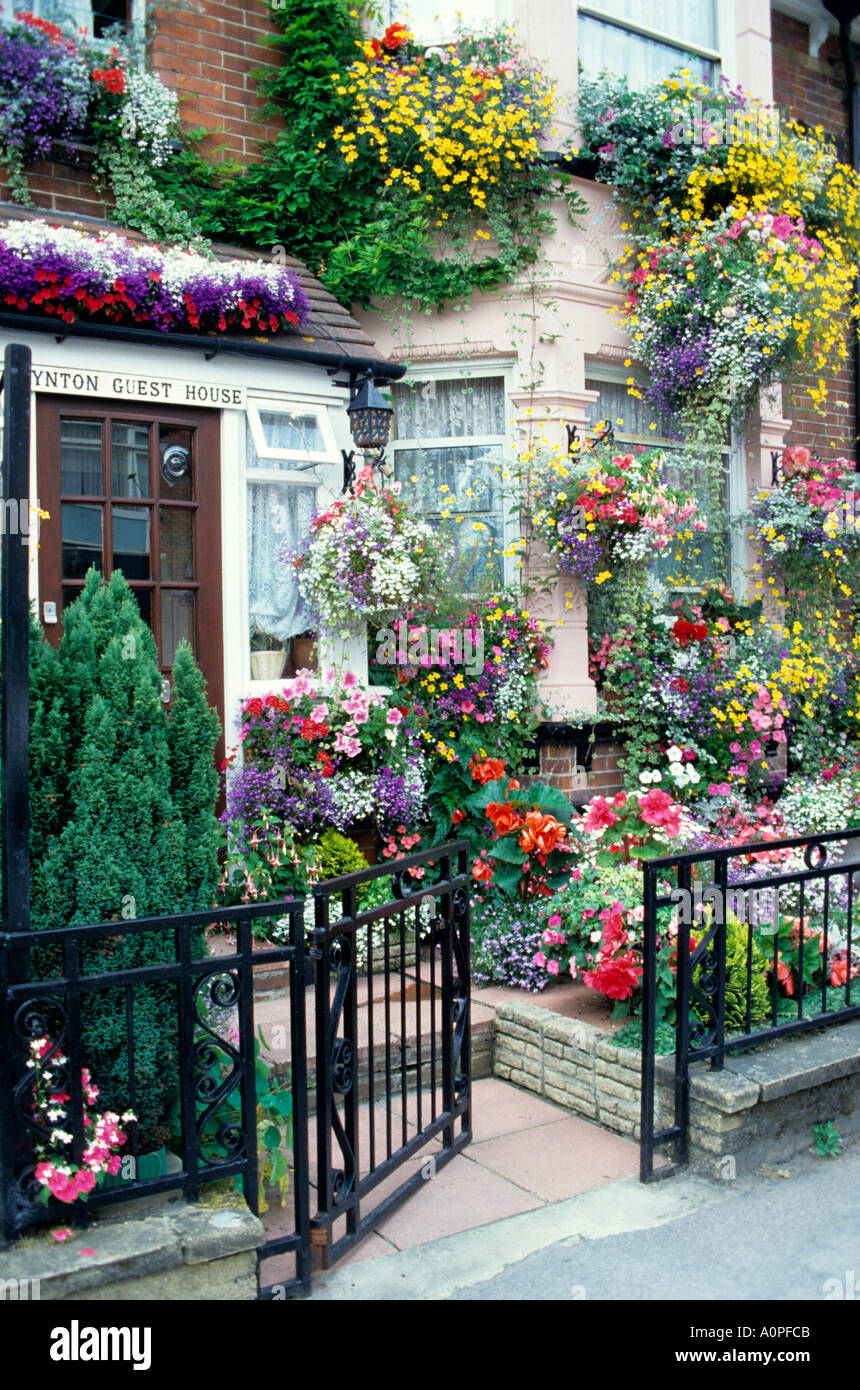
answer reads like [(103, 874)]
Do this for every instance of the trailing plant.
[(467, 667), (368, 557), (743, 237), (436, 149), (59, 88)]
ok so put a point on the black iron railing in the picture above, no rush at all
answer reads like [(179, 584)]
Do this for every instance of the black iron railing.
[(795, 951), (376, 1042), (212, 1066)]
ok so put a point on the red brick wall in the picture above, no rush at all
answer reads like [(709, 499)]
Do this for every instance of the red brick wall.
[(62, 188), (208, 54), (558, 768), (813, 90)]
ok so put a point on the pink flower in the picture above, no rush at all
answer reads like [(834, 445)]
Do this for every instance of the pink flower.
[(657, 808), (394, 717), (572, 968), (554, 920), (552, 967), (540, 959), (600, 815)]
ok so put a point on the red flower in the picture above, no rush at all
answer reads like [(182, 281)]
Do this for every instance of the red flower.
[(488, 771), (481, 871), (615, 978), (681, 684), (542, 833), (394, 37), (255, 707), (32, 21), (658, 808), (600, 815), (504, 818), (457, 816), (112, 79)]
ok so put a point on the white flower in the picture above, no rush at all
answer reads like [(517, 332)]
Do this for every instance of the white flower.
[(675, 754)]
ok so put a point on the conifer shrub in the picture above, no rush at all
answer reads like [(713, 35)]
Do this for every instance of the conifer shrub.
[(123, 827)]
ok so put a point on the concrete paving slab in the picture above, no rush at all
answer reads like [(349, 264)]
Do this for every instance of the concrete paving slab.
[(559, 1160)]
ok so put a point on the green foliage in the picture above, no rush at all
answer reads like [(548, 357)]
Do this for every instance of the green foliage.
[(828, 1141), (109, 839), (192, 734), (737, 963), (142, 200), (274, 1123), (365, 241), (334, 855)]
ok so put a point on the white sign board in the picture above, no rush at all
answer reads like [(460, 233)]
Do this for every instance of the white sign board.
[(92, 385)]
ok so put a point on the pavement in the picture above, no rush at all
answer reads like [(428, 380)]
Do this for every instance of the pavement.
[(585, 1228)]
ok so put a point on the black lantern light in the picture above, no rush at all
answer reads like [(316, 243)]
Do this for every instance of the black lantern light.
[(370, 424)]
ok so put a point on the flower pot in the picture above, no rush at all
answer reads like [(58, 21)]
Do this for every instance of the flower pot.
[(304, 653), (268, 666)]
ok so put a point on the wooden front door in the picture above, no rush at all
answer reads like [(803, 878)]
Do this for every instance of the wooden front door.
[(136, 490)]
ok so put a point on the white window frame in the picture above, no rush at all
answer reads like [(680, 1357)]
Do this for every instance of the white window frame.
[(304, 459), (734, 455), (448, 371), (313, 469), (723, 56)]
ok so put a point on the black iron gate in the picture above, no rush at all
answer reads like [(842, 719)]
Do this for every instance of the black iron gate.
[(392, 1039)]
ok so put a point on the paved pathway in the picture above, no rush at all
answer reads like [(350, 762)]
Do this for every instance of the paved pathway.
[(765, 1237)]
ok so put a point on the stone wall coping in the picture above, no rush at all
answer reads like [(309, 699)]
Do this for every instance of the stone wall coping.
[(781, 1068), (130, 1247)]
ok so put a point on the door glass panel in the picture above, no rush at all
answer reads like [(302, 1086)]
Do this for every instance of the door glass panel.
[(130, 460), (82, 539), (131, 541), (81, 458), (175, 467), (177, 622), (176, 544)]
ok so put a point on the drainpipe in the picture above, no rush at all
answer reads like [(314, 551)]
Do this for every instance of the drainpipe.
[(846, 11)]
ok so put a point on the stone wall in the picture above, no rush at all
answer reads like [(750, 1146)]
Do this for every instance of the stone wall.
[(571, 1063), (151, 1249)]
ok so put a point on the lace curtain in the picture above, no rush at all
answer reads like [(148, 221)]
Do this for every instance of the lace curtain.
[(279, 516), (450, 409), (459, 410), (604, 47)]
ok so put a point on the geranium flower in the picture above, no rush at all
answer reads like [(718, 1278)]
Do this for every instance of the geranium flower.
[(657, 808), (616, 978)]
